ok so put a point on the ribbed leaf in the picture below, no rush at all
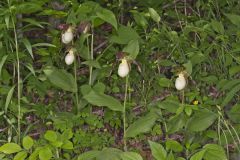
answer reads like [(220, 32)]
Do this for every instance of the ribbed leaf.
[(110, 154), (142, 125), (10, 148), (214, 152), (108, 16), (100, 99), (20, 155), (89, 155), (199, 155), (201, 120), (158, 152), (230, 95), (61, 79), (131, 156), (132, 48)]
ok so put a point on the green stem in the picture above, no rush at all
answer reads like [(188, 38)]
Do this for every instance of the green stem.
[(121, 10), (91, 58), (183, 100), (219, 131), (124, 115), (57, 153), (18, 79), (76, 94)]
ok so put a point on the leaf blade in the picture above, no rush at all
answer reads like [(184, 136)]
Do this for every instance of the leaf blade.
[(100, 99)]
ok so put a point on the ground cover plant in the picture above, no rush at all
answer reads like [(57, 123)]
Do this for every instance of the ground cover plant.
[(119, 80)]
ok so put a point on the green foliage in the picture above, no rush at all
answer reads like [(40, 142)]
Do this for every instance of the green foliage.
[(27, 142), (85, 111), (61, 79), (201, 120), (142, 125), (100, 99), (10, 148), (158, 151)]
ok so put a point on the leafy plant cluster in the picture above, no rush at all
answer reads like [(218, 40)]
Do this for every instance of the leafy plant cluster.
[(119, 80)]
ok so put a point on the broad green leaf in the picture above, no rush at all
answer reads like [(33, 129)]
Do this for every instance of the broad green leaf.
[(124, 35), (4, 58), (214, 152), (10, 148), (188, 67), (50, 136), (234, 70), (100, 99), (170, 105), (109, 154), (176, 123), (174, 146), (228, 60), (170, 156), (90, 155), (230, 95), (158, 152), (201, 120), (132, 48), (61, 79), (85, 89), (99, 87), (188, 109), (67, 134), (211, 79), (199, 155), (217, 26), (92, 63), (28, 46), (228, 84), (27, 142), (235, 19), (154, 15), (57, 143), (9, 97), (35, 154), (107, 16), (20, 155), (130, 156), (142, 125), (45, 154), (197, 58), (234, 113), (67, 145), (140, 19), (28, 7), (164, 82)]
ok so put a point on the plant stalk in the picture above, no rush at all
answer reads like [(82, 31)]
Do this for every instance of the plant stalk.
[(124, 114), (18, 79), (76, 94), (91, 58)]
